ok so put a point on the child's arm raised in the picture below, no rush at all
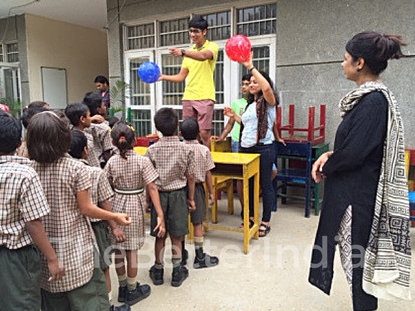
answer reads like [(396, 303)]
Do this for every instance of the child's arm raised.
[(92, 211)]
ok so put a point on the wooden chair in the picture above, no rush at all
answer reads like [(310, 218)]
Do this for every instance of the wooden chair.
[(294, 176), (221, 182)]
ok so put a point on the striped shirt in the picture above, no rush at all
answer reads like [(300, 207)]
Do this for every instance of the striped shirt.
[(21, 200), (69, 232), (173, 161)]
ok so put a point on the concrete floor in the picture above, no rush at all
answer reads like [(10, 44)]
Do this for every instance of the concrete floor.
[(272, 276)]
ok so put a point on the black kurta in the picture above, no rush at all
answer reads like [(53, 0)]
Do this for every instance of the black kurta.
[(352, 174)]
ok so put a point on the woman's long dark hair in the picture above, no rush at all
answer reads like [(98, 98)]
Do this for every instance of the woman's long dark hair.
[(375, 48), (251, 97)]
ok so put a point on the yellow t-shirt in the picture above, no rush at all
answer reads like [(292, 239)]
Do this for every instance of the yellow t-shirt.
[(199, 81)]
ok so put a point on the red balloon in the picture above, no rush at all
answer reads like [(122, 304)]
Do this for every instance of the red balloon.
[(238, 48), (4, 107)]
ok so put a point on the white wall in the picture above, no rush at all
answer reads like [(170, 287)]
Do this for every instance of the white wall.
[(83, 52)]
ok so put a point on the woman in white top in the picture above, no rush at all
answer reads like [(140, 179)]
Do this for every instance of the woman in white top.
[(257, 137)]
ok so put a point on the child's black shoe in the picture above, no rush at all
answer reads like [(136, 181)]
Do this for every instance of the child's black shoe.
[(156, 275), (205, 262), (179, 274)]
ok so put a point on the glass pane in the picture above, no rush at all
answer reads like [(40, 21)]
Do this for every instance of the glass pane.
[(219, 25), (260, 58), (141, 121), (218, 122), (140, 36), (172, 92), (258, 20), (139, 91), (174, 32), (218, 78)]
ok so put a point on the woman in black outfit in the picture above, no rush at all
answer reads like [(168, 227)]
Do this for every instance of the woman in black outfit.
[(365, 206)]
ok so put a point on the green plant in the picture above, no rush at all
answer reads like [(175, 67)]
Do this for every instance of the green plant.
[(118, 94), (14, 105)]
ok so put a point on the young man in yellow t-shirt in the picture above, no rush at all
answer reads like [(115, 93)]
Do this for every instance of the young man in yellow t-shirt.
[(197, 68)]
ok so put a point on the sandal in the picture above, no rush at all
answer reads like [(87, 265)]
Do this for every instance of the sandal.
[(264, 230), (251, 223)]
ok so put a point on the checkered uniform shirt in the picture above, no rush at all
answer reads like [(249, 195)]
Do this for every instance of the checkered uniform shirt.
[(69, 232), (132, 173), (92, 157), (21, 200), (102, 138), (203, 159), (173, 160), (100, 186)]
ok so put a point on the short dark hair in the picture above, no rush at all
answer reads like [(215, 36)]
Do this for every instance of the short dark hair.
[(93, 101), (101, 79), (75, 111), (246, 77), (122, 137), (10, 133), (29, 113), (375, 48), (48, 138), (78, 144), (189, 129), (198, 22), (112, 120), (38, 103), (166, 120)]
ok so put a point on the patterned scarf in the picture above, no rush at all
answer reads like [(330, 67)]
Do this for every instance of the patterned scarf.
[(261, 113), (388, 254)]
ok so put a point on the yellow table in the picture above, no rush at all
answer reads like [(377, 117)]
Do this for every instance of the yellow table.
[(140, 150), (240, 166)]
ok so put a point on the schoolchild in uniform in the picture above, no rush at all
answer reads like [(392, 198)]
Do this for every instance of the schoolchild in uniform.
[(175, 164), (80, 118), (22, 235), (100, 193), (204, 163), (99, 128), (66, 183), (129, 173)]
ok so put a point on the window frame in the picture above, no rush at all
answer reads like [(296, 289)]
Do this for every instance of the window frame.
[(232, 71)]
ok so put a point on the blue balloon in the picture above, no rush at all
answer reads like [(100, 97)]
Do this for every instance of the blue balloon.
[(149, 72)]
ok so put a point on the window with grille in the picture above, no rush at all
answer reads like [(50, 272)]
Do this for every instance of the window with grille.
[(12, 52), (140, 37), (1, 53), (256, 22), (172, 92), (174, 32), (219, 25)]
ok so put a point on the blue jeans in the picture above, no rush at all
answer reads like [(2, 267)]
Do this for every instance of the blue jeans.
[(234, 145), (266, 160)]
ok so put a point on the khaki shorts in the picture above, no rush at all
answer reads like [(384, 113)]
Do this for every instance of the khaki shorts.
[(199, 110)]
